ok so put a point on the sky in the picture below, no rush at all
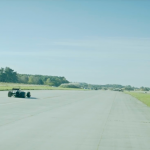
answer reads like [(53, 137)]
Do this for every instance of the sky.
[(92, 41)]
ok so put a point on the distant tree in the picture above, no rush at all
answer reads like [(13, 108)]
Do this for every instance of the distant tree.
[(69, 86), (49, 82), (8, 75), (30, 81), (2, 75), (144, 88), (129, 88), (23, 79), (35, 80), (40, 81)]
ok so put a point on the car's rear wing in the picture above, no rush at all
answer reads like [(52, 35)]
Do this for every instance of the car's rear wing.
[(15, 88)]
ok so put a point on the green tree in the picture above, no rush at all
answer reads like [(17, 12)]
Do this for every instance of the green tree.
[(49, 82), (30, 81), (10, 75), (23, 79), (2, 75), (129, 88)]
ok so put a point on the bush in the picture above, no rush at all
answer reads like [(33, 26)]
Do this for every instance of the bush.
[(69, 86)]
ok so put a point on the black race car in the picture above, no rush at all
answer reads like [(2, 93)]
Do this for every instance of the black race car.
[(16, 92)]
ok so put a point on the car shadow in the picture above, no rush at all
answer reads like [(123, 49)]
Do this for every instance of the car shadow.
[(31, 98)]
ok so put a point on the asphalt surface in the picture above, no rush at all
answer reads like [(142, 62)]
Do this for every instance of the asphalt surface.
[(74, 120)]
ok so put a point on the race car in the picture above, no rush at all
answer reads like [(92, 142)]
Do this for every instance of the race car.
[(16, 92)]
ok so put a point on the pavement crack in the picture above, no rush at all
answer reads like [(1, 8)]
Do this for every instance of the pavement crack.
[(106, 121)]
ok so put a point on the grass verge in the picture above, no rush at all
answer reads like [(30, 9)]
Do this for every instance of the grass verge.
[(9, 86), (143, 97)]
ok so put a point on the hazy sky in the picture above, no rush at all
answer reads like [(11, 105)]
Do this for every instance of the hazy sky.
[(89, 41)]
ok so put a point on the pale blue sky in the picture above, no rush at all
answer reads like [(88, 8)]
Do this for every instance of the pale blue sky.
[(98, 42)]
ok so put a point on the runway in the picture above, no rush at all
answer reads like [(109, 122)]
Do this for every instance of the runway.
[(74, 120)]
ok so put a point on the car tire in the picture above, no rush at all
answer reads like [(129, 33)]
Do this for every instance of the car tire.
[(23, 94), (9, 94), (17, 94), (28, 94)]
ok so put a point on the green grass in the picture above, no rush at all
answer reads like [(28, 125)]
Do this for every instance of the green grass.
[(9, 86), (143, 97)]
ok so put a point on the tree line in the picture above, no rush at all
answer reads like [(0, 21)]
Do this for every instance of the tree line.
[(108, 87), (9, 75)]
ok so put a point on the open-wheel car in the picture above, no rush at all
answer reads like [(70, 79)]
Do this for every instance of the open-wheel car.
[(17, 92)]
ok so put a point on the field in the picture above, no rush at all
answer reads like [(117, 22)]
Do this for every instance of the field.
[(9, 86), (142, 96)]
